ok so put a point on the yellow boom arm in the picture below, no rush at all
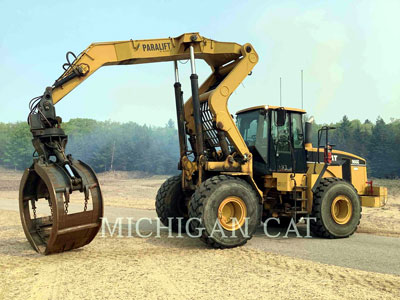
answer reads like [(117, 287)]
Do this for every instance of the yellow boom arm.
[(230, 64), (132, 52)]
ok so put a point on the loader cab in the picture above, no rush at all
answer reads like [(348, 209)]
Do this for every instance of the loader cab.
[(275, 137)]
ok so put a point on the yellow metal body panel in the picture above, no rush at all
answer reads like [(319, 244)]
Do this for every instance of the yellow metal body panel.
[(131, 52), (359, 178), (266, 107), (285, 182), (331, 171), (334, 151), (375, 198), (373, 201)]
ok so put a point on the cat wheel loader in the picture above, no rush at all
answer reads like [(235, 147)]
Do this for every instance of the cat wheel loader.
[(232, 175)]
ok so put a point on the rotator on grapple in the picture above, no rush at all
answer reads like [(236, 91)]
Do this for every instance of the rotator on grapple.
[(51, 179)]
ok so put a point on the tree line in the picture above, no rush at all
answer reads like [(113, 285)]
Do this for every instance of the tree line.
[(104, 145), (378, 143), (107, 145)]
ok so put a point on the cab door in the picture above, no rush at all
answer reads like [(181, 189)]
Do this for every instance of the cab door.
[(287, 152), (297, 138)]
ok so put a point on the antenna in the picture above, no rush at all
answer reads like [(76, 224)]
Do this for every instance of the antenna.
[(302, 101), (280, 91)]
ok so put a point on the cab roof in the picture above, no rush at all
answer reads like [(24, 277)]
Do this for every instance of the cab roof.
[(271, 107)]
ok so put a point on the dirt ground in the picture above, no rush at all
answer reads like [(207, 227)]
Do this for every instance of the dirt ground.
[(164, 268), (130, 189)]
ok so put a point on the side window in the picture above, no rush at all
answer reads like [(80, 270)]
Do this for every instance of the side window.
[(297, 131), (265, 129), (262, 137), (247, 124), (251, 133)]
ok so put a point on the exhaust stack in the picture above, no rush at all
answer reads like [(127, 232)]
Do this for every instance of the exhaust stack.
[(308, 133)]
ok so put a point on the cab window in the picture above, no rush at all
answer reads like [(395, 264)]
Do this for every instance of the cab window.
[(248, 125), (297, 131), (280, 134), (253, 127)]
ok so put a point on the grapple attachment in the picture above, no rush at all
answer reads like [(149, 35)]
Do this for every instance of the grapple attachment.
[(44, 199), (51, 223)]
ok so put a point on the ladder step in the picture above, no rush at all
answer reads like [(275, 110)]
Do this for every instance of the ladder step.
[(302, 187), (301, 199)]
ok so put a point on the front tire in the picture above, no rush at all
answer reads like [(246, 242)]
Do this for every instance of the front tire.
[(170, 203), (213, 205), (337, 209)]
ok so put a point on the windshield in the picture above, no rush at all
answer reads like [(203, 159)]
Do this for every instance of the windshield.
[(253, 127), (248, 124)]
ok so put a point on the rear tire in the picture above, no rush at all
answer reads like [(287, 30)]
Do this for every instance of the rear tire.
[(170, 203), (213, 202), (337, 209)]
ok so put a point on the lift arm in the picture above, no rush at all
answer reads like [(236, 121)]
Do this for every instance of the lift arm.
[(230, 64), (131, 52), (205, 115)]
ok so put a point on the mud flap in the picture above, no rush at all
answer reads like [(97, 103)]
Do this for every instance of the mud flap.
[(44, 196)]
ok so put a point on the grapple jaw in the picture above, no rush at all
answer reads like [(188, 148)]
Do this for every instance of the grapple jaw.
[(50, 185), (46, 188)]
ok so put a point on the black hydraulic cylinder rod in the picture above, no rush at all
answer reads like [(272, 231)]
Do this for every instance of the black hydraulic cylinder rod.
[(194, 79), (65, 79), (180, 119)]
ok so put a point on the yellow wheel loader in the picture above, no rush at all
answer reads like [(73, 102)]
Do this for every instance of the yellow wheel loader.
[(232, 175)]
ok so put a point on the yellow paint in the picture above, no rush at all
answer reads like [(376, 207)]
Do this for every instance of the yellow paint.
[(232, 207), (377, 198), (359, 178), (266, 107), (341, 209), (131, 52), (373, 201), (334, 151), (284, 181)]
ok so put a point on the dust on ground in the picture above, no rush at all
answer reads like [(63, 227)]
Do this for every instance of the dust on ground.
[(172, 268)]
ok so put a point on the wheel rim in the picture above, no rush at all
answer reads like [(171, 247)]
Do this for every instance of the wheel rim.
[(232, 207), (341, 209)]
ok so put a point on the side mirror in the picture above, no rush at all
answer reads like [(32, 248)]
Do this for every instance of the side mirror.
[(280, 117)]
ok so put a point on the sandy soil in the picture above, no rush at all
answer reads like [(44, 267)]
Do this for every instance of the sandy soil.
[(162, 268), (130, 189)]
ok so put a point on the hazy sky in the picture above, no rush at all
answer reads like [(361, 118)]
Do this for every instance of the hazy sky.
[(349, 51)]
